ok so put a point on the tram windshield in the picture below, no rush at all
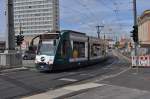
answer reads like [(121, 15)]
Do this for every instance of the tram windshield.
[(47, 48)]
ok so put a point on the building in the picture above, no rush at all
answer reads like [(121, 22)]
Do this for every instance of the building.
[(144, 32), (111, 43), (123, 43), (33, 17), (144, 29)]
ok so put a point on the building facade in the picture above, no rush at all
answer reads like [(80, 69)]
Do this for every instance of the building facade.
[(144, 33), (34, 17), (144, 29)]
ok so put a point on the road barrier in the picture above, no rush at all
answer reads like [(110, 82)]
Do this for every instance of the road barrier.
[(10, 60), (143, 61)]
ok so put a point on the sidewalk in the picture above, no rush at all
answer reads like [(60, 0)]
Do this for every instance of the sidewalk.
[(13, 69), (26, 65)]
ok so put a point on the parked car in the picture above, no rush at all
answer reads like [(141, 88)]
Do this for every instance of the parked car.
[(29, 55)]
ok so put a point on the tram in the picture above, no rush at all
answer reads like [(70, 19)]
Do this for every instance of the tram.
[(68, 49)]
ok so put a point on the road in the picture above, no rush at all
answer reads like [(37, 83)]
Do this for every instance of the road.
[(29, 82), (127, 84)]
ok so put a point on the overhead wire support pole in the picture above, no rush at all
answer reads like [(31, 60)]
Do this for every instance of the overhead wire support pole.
[(10, 25), (99, 27), (135, 12), (135, 24)]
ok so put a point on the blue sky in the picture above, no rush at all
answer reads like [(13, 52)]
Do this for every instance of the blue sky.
[(84, 15)]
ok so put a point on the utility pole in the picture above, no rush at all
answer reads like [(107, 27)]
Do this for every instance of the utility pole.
[(99, 28), (135, 24), (135, 12)]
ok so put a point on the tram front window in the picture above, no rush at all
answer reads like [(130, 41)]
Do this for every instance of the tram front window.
[(46, 49)]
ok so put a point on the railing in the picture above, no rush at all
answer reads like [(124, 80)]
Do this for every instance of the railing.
[(9, 60)]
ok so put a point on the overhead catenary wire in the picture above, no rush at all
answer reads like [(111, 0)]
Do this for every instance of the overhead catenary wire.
[(91, 15), (81, 13)]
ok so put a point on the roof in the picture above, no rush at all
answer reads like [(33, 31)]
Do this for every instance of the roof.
[(144, 14)]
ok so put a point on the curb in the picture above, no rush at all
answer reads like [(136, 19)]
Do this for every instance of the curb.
[(14, 70)]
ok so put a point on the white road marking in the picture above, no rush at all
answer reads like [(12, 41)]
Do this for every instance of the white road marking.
[(64, 91), (83, 86), (68, 79)]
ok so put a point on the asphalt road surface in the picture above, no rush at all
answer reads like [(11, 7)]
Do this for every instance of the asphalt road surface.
[(25, 83)]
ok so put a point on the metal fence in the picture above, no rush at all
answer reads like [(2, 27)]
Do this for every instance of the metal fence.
[(8, 60)]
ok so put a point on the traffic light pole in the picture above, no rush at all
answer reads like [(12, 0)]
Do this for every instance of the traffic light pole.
[(135, 24), (20, 32)]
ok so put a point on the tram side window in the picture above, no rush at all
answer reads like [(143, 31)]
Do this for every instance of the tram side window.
[(82, 49), (78, 49), (95, 50), (63, 48)]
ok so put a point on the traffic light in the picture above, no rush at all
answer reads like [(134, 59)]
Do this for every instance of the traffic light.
[(135, 33), (19, 39)]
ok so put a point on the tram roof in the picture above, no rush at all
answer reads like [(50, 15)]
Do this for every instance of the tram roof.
[(76, 32), (49, 36)]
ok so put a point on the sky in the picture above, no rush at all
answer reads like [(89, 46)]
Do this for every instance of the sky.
[(84, 15)]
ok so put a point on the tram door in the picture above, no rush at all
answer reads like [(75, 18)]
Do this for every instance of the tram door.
[(65, 47), (63, 51)]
